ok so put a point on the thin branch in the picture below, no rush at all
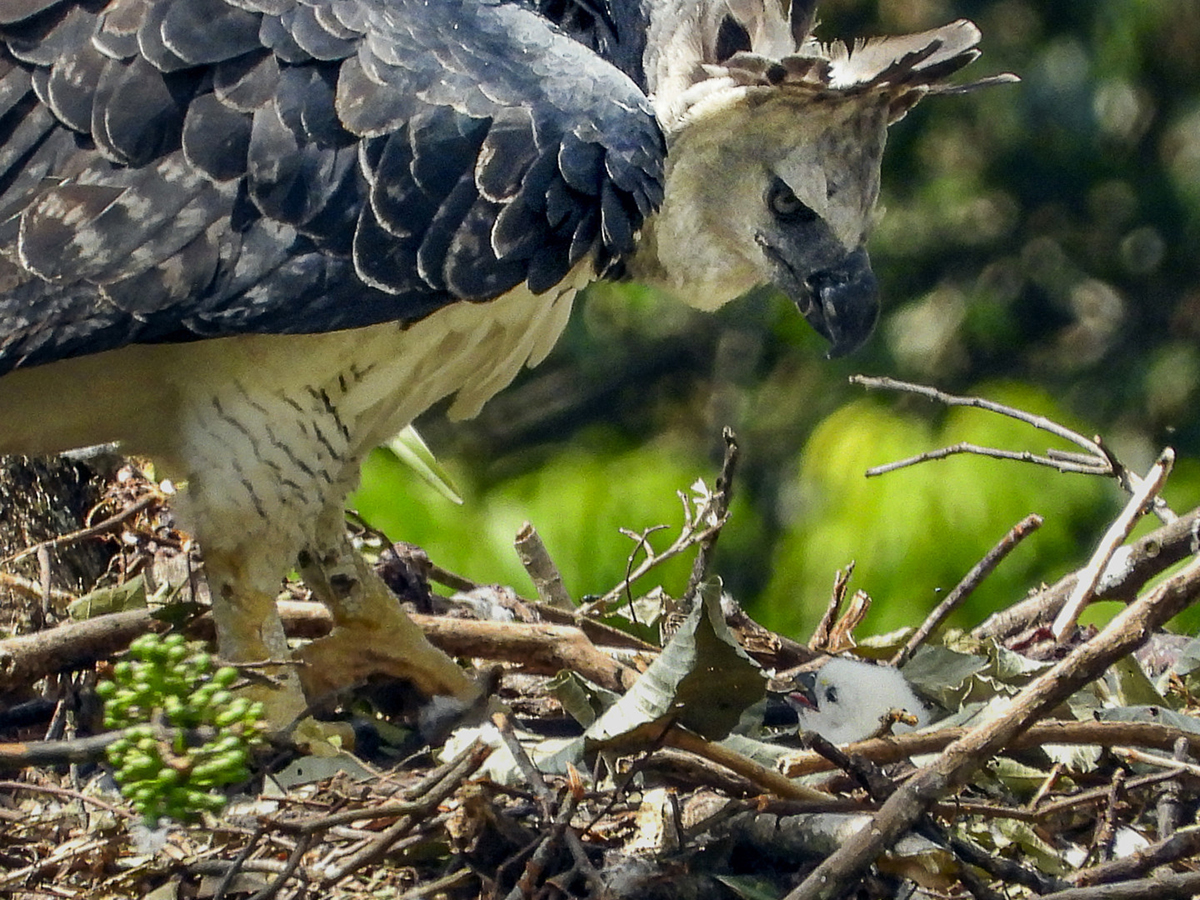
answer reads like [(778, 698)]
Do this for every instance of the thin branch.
[(904, 746), (766, 779), (67, 792), (544, 574), (238, 864), (719, 514), (1001, 867), (1160, 887), (1098, 459), (1131, 482), (1089, 576), (92, 530), (451, 580), (1133, 755), (1040, 422), (841, 635), (1062, 465), (33, 588), (690, 535), (841, 583), (1168, 808), (964, 588), (533, 777), (1182, 845), (452, 776), (1132, 568), (22, 754)]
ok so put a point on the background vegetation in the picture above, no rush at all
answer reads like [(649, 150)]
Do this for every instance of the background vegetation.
[(1041, 245)]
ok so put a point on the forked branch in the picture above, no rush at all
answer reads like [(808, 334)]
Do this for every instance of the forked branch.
[(1097, 458)]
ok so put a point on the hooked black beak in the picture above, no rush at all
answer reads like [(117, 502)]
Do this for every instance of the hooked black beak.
[(842, 303)]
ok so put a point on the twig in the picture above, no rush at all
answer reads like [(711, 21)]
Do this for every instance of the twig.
[(560, 823), (689, 536), (1174, 763), (64, 853), (930, 393), (1169, 807), (532, 776), (44, 608), (92, 530), (57, 753), (1106, 828), (32, 588), (541, 648), (1000, 867), (1049, 783), (238, 863), (899, 747), (346, 816), (718, 514), (869, 775), (450, 579), (641, 544), (976, 886), (438, 887), (1096, 796), (841, 635), (954, 767), (67, 792), (1089, 576), (1132, 567), (289, 869), (964, 588), (1098, 460), (767, 779), (1181, 845), (1131, 483), (448, 779), (966, 447), (841, 583), (547, 580), (1160, 887), (74, 645)]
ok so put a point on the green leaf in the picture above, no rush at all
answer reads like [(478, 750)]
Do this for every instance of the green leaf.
[(119, 598), (411, 449), (583, 700), (703, 680)]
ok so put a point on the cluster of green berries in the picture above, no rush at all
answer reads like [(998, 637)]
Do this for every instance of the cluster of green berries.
[(186, 734)]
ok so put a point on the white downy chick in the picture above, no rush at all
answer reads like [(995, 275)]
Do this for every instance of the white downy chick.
[(848, 698)]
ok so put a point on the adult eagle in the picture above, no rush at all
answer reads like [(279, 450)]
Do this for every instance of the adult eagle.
[(256, 238)]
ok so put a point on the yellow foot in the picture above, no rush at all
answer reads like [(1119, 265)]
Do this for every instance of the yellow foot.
[(397, 647), (282, 699)]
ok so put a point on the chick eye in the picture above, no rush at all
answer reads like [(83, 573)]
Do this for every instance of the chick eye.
[(786, 205), (831, 694)]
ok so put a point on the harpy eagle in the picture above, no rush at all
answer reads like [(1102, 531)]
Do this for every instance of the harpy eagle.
[(255, 238)]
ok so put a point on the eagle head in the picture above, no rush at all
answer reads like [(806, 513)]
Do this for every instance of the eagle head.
[(774, 146)]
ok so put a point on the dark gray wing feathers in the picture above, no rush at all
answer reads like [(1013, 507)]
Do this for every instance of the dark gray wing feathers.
[(208, 167)]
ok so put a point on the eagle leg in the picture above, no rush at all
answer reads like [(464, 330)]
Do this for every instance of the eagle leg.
[(249, 630), (371, 633)]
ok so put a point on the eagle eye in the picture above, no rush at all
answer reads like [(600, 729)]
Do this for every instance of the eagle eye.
[(787, 206), (732, 37)]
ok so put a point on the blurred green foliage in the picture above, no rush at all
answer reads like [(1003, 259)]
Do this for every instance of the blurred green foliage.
[(1041, 245), (577, 499)]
